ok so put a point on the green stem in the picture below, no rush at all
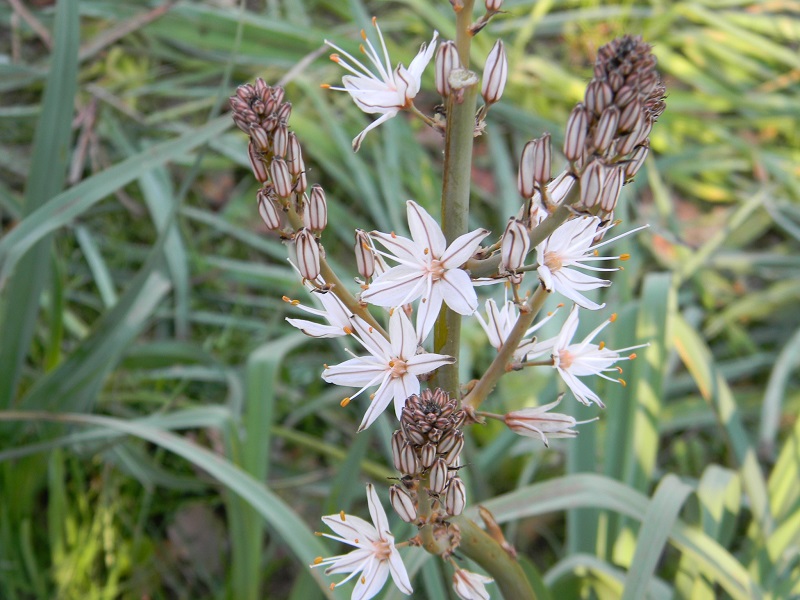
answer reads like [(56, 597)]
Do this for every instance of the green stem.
[(497, 369), (507, 572)]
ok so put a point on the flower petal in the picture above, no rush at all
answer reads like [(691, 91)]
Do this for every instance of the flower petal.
[(396, 287), (425, 231), (355, 372), (352, 528), (360, 137), (402, 388), (377, 405), (399, 573), (402, 335), (371, 581), (427, 362), (462, 248), (457, 291), (428, 310)]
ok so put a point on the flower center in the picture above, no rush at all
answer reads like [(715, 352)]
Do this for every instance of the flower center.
[(382, 549), (397, 367), (564, 359), (436, 269), (552, 260)]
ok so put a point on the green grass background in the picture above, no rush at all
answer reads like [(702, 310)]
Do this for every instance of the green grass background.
[(165, 434)]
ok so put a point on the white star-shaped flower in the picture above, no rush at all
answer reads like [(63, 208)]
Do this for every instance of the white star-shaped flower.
[(569, 247), (538, 421), (393, 364), (585, 358), (381, 91), (470, 586), (375, 556), (428, 269)]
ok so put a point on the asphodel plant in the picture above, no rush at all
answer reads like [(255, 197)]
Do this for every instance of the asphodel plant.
[(405, 314)]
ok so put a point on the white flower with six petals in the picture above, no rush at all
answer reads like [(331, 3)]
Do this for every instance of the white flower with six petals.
[(392, 363), (375, 556), (381, 91), (428, 268)]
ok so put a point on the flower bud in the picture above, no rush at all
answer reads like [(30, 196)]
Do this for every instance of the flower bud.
[(591, 183), (560, 187), (612, 187), (625, 95), (514, 245), (526, 184), (315, 216), (456, 497), (541, 159), (427, 454), (259, 137), (470, 586), (438, 476), (409, 463), (446, 60), (447, 442), (280, 141), (495, 73), (307, 254), (301, 183), (598, 96), (365, 259), (577, 128), (493, 5), (259, 168), (294, 156), (281, 178), (451, 457), (402, 504), (412, 434), (539, 422), (606, 129), (397, 445), (630, 116), (636, 160), (277, 95), (284, 111), (270, 213)]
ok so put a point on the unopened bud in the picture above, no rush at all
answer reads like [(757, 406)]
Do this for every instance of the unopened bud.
[(526, 184), (447, 442), (284, 112), (636, 160), (402, 504), (514, 245), (259, 168), (315, 215), (495, 73), (427, 454), (270, 213), (625, 95), (397, 446), (438, 476), (612, 187), (541, 159), (294, 156), (591, 183), (280, 141), (577, 128), (630, 116), (456, 497), (259, 137), (307, 254), (365, 258), (493, 5), (301, 183), (560, 187), (451, 458), (598, 96), (606, 129), (281, 178), (409, 463), (446, 60), (277, 95)]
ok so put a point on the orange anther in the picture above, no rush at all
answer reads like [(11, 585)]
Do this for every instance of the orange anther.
[(613, 317), (625, 256), (344, 402)]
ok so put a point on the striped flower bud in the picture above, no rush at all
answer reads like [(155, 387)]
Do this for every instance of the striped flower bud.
[(451, 458), (591, 183), (409, 463), (606, 129), (281, 178), (294, 156), (447, 442), (365, 258), (456, 497), (514, 246), (636, 161), (526, 184), (315, 215), (629, 116), (259, 137), (397, 446), (446, 60), (560, 187), (577, 128), (495, 73), (301, 183), (280, 140), (615, 177), (259, 168), (268, 209), (625, 95), (307, 254), (402, 504), (493, 5), (598, 96), (284, 112), (427, 455), (438, 476), (541, 159)]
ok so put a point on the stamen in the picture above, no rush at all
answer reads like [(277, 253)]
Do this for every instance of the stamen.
[(601, 345), (622, 381), (612, 318), (393, 234), (325, 86), (332, 586), (363, 35), (426, 251), (625, 256), (361, 46), (341, 515), (318, 560), (363, 580), (318, 534), (348, 330), (344, 402), (334, 57), (632, 356)]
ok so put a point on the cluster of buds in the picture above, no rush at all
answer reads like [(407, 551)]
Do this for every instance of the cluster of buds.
[(277, 162), (426, 450), (607, 135)]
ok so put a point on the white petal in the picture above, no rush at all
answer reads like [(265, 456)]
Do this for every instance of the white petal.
[(404, 249), (360, 137), (351, 529), (372, 96), (427, 311), (316, 330), (372, 340), (376, 512), (402, 335), (378, 404), (427, 362), (425, 231), (355, 372), (457, 291), (371, 581), (462, 248), (579, 389), (389, 290), (399, 573), (423, 57), (402, 388), (545, 275)]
